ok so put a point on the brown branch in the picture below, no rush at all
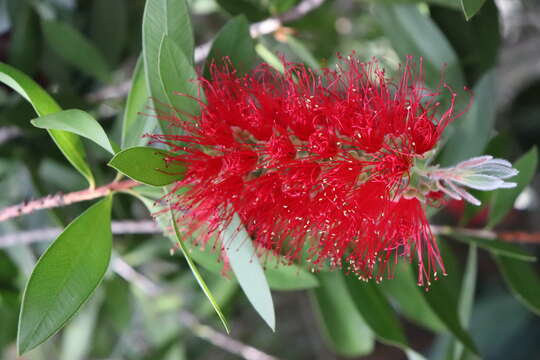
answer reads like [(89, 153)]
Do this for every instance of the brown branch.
[(60, 199)]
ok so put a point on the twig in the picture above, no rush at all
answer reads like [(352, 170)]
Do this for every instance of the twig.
[(257, 29), (189, 320), (51, 233), (221, 340), (57, 200)]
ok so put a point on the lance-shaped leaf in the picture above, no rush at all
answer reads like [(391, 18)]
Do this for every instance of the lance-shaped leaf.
[(471, 7), (69, 144), (247, 269), (148, 165), (66, 275), (498, 247), (78, 122)]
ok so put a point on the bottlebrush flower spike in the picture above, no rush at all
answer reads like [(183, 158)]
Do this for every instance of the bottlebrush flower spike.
[(326, 163)]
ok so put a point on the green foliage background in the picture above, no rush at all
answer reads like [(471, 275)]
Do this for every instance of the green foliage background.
[(102, 60)]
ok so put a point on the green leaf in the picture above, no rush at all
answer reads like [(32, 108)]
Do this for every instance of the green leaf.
[(474, 130), (66, 275), (197, 275), (252, 9), (522, 278), (164, 17), (404, 290), (342, 324), (376, 311), (471, 7), (69, 144), (412, 33), (148, 165), (235, 42), (78, 122), (302, 52), (178, 78), (248, 271), (109, 28), (75, 49), (498, 247), (287, 277), (136, 125), (445, 305), (503, 199)]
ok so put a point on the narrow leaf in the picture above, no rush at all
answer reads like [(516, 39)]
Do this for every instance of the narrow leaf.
[(78, 122), (197, 275), (148, 165), (503, 199), (343, 326), (235, 42), (248, 271), (376, 311), (75, 49), (69, 144), (498, 247), (164, 17), (471, 7), (178, 78), (522, 278), (287, 277), (136, 125), (66, 275)]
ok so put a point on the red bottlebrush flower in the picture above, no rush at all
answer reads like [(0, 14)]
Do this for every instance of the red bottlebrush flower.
[(314, 160)]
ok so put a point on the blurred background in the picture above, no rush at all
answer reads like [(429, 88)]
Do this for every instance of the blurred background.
[(84, 53)]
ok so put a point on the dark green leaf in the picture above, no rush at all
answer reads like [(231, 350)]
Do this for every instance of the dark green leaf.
[(44, 104), (66, 275), (235, 42), (408, 296), (252, 9), (109, 31), (136, 125), (287, 277), (471, 7), (376, 311), (75, 49), (413, 33), (445, 305), (523, 279), (78, 122), (503, 200), (178, 78), (248, 271), (24, 42), (498, 247), (148, 165), (342, 325), (170, 18), (197, 274), (475, 128)]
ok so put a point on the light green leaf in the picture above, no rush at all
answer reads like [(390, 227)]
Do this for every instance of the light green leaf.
[(178, 78), (136, 125), (148, 165), (248, 271), (503, 199), (269, 57), (235, 42), (474, 130), (66, 275), (75, 49), (471, 7), (69, 144), (343, 326), (196, 273), (498, 247), (287, 277), (522, 278), (78, 122), (164, 17), (376, 311), (302, 52), (412, 33)]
